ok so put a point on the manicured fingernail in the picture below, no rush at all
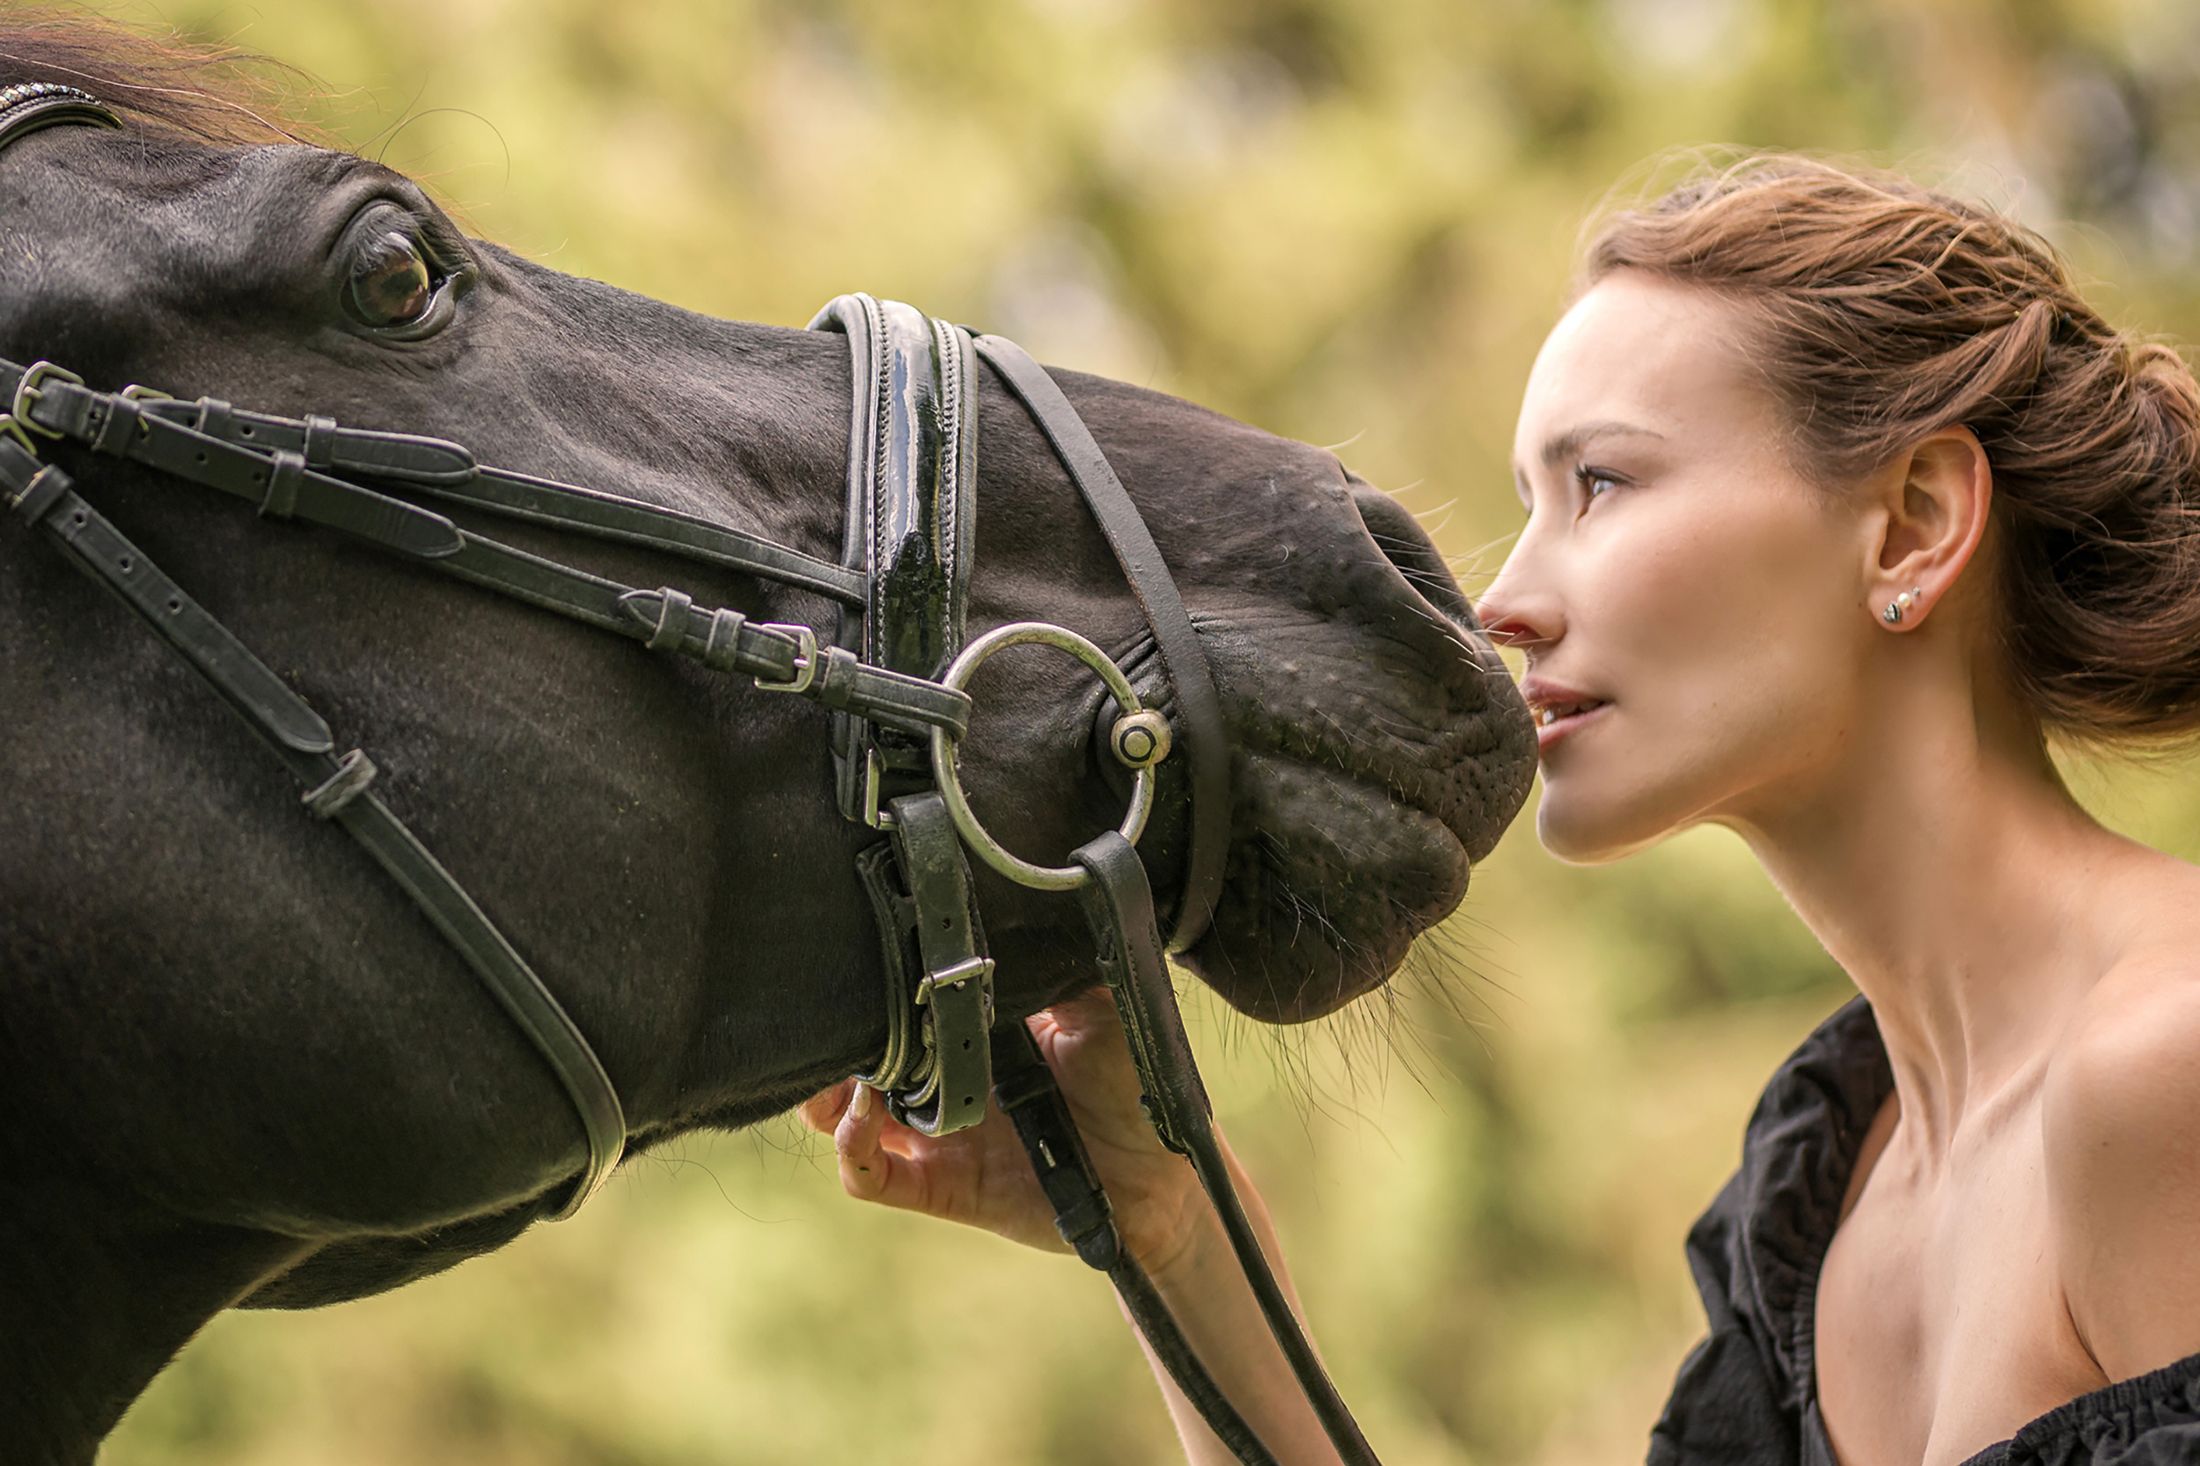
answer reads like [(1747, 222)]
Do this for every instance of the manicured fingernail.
[(861, 1107)]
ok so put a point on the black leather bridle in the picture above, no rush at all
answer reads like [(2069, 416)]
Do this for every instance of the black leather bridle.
[(893, 672)]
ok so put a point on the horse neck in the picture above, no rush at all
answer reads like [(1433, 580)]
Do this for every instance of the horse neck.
[(97, 1299)]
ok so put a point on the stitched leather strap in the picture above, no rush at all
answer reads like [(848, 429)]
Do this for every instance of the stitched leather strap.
[(1198, 706), (281, 484), (1118, 907), (610, 516), (69, 410), (1027, 1093), (915, 705), (45, 496), (955, 985), (333, 788), (912, 470), (323, 442), (448, 471), (925, 890)]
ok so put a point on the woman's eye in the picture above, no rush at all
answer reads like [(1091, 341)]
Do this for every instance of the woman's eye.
[(393, 286), (1595, 481)]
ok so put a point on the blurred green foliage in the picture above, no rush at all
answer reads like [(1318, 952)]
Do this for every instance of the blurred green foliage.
[(1349, 223)]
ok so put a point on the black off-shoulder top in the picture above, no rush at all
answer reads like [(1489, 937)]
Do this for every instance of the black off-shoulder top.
[(1748, 1392)]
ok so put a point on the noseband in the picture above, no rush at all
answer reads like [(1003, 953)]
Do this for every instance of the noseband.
[(894, 671)]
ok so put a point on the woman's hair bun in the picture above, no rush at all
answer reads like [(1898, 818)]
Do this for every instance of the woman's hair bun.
[(1886, 311)]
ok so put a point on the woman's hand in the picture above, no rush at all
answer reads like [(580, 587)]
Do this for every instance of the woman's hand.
[(981, 1177)]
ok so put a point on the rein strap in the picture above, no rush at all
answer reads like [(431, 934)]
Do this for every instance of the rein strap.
[(1118, 906)]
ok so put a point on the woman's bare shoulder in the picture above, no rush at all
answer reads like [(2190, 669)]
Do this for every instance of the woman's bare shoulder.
[(2121, 1130)]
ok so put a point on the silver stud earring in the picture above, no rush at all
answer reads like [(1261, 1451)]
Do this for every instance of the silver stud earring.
[(1902, 605)]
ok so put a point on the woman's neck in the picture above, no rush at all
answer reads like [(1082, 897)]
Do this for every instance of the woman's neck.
[(1948, 870)]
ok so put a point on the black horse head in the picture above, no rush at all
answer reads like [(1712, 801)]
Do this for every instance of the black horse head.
[(239, 1067)]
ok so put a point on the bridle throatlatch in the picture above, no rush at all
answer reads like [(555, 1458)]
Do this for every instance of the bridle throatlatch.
[(894, 673)]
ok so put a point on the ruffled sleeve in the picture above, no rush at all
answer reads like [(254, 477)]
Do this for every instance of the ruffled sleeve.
[(2147, 1420), (1727, 1403), (1744, 1393)]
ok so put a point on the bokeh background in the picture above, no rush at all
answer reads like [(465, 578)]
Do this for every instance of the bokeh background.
[(1349, 222)]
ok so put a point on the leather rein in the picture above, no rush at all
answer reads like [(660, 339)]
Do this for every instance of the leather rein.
[(894, 672)]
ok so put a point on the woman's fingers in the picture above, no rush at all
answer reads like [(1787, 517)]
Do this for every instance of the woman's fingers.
[(868, 1170), (851, 1114), (822, 1111), (884, 1161), (978, 1177)]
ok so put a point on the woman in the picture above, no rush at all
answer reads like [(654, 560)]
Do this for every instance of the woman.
[(1840, 500)]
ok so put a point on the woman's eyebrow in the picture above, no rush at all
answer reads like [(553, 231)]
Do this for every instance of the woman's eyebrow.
[(1563, 446)]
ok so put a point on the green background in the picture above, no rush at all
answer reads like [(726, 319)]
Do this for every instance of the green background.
[(1349, 222)]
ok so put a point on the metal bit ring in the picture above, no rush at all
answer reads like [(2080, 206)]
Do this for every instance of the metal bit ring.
[(975, 835)]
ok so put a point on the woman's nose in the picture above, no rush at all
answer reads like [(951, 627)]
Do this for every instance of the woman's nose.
[(1513, 614)]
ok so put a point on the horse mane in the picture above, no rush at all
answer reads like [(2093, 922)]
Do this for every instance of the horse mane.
[(212, 93)]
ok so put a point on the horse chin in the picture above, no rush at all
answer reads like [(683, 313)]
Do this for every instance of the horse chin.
[(1324, 898)]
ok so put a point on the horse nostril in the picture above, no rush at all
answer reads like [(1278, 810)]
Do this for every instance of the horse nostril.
[(1406, 545)]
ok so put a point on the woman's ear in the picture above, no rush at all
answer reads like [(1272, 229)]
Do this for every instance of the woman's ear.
[(1930, 521)]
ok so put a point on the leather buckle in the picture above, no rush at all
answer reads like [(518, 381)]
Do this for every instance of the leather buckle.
[(13, 427), (37, 374), (980, 968), (875, 814), (805, 658)]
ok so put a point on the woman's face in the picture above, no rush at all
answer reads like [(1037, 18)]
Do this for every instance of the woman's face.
[(1678, 571)]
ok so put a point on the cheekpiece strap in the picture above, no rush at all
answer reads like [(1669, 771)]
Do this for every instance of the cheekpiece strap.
[(1198, 711)]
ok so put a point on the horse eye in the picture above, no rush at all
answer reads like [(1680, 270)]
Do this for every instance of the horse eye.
[(393, 286)]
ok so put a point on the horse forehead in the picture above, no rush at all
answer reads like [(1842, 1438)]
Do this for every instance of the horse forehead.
[(92, 217)]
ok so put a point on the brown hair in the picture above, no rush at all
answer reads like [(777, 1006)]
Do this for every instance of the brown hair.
[(1887, 311), (214, 94)]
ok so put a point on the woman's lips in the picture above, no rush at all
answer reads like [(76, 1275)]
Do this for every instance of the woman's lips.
[(1548, 734)]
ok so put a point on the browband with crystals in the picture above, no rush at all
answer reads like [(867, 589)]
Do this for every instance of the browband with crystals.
[(29, 105)]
